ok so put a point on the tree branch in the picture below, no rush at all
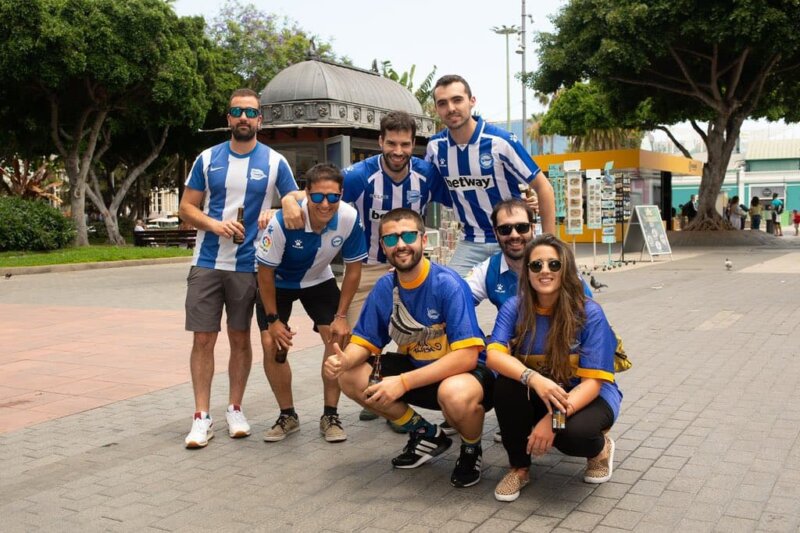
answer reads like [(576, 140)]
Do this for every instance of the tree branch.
[(654, 85), (758, 83), (703, 135), (678, 145), (715, 75), (138, 170), (737, 73), (54, 125), (697, 92)]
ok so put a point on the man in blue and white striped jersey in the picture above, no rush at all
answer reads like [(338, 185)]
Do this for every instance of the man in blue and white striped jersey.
[(481, 165), (240, 173)]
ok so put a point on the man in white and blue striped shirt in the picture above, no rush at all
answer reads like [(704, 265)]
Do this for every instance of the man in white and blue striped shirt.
[(481, 165), (240, 173)]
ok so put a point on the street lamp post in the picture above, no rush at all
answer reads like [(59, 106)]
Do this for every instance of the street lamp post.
[(523, 45), (507, 30)]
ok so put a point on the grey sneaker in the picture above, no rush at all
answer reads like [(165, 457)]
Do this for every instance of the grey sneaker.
[(331, 428), (366, 415), (285, 425)]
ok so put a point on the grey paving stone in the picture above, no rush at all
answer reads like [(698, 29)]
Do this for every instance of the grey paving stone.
[(622, 519)]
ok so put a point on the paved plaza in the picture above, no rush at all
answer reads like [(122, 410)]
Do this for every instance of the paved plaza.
[(95, 401)]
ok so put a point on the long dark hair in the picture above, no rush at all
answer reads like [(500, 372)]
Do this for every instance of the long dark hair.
[(568, 313)]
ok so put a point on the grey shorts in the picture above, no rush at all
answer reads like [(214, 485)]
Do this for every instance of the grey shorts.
[(208, 290)]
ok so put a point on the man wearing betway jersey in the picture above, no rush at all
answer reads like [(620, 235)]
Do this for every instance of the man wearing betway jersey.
[(482, 165), (240, 173)]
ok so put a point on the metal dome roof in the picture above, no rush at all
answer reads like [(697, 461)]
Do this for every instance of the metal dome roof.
[(317, 93)]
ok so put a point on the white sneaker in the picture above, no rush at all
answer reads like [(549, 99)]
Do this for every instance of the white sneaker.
[(201, 432), (237, 423)]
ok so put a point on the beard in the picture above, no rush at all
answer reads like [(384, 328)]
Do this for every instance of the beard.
[(416, 257), (391, 165), (513, 254), (243, 132)]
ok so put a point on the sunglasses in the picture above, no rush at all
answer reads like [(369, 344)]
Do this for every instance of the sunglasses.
[(249, 112), (536, 266), (505, 229), (332, 197), (408, 237)]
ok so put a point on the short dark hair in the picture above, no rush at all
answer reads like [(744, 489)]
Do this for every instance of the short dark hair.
[(243, 92), (509, 206), (402, 213), (398, 121), (323, 172), (447, 79)]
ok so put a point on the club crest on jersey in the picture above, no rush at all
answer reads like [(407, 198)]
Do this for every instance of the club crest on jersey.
[(257, 174), (433, 314), (486, 161), (413, 196), (469, 183), (337, 241), (298, 244)]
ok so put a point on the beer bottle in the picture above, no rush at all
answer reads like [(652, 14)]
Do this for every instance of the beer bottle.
[(240, 219), (375, 376), (559, 418)]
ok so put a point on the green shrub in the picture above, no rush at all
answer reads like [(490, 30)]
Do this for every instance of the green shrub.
[(32, 225)]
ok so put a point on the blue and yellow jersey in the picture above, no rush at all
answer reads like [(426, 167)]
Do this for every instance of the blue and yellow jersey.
[(593, 355), (438, 297)]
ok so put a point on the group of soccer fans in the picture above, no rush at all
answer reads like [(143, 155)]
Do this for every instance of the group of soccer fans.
[(550, 336)]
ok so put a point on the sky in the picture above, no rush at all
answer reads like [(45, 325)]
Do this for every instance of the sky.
[(455, 36)]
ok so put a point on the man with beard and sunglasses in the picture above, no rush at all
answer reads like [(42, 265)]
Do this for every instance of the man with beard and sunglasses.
[(239, 174), (427, 310), (481, 164)]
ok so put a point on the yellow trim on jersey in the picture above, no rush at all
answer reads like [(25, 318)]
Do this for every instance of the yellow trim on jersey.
[(423, 274), (467, 343), (544, 311), (499, 347), (365, 343), (595, 374)]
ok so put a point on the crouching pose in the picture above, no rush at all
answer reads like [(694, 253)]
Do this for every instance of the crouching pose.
[(427, 310), (555, 340)]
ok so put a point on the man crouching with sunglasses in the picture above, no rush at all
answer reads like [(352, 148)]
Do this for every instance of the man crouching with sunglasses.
[(295, 265), (427, 310)]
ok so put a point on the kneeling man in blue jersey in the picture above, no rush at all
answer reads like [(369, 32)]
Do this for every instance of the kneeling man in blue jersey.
[(238, 174), (427, 310), (481, 164), (295, 265)]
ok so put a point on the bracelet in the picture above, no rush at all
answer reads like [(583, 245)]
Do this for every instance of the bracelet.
[(526, 375), (337, 315), (403, 381)]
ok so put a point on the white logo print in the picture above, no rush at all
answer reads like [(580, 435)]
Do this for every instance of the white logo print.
[(298, 244), (433, 314), (442, 162), (257, 174), (214, 169), (500, 288), (486, 161)]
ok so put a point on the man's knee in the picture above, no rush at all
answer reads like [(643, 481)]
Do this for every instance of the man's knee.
[(460, 395), (352, 383), (204, 341)]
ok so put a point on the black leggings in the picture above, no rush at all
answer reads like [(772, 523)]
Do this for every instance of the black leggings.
[(517, 416)]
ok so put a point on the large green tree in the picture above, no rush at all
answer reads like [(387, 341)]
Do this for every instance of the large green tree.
[(78, 71), (662, 62), (258, 44)]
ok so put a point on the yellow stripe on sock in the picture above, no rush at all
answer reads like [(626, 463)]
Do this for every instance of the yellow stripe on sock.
[(470, 441), (405, 418)]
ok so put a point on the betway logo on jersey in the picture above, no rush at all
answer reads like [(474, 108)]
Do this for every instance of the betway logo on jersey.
[(469, 183), (375, 214)]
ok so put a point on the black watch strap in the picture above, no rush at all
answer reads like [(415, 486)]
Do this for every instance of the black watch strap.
[(271, 318)]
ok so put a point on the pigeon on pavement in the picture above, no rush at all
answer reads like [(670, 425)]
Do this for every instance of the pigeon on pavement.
[(596, 285), (728, 264)]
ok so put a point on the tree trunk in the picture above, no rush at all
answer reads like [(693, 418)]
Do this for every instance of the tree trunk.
[(78, 206), (112, 227)]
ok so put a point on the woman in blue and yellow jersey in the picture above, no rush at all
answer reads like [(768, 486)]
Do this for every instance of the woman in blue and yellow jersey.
[(555, 341)]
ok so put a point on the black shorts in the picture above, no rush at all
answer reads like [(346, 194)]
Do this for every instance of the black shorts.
[(394, 364), (319, 301)]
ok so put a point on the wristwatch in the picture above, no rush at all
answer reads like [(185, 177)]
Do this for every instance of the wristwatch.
[(526, 375), (270, 318)]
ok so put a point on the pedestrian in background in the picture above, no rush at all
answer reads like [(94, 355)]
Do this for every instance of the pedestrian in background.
[(755, 213)]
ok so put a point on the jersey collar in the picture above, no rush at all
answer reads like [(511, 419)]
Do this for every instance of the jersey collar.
[(503, 264), (380, 165), (475, 134), (423, 275)]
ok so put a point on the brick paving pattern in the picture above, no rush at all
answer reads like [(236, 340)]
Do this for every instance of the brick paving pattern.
[(95, 402)]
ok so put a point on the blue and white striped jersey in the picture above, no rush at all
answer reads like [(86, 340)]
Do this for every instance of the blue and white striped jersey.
[(374, 194), (302, 258), (481, 174), (231, 181)]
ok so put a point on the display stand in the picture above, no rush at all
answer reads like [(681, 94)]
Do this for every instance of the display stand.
[(646, 229)]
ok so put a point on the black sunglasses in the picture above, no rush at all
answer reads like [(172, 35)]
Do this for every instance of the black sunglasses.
[(521, 227), (249, 112), (317, 197), (391, 239), (536, 266)]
